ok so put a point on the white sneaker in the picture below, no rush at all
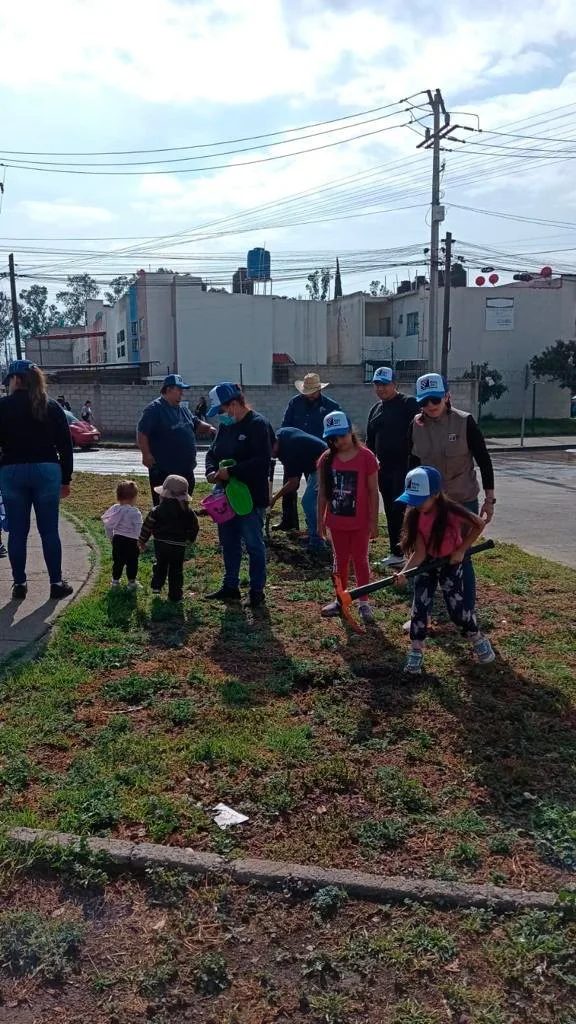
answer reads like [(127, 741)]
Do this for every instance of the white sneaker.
[(330, 611), (393, 561), (406, 626)]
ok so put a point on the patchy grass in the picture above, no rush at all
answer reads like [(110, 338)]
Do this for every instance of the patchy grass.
[(138, 717)]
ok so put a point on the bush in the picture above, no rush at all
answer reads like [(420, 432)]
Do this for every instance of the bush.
[(31, 944)]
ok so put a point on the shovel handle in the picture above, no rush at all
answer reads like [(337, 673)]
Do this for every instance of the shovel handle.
[(388, 581)]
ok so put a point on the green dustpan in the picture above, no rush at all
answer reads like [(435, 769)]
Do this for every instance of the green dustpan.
[(237, 493)]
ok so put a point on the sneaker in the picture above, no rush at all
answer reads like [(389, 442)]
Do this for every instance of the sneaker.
[(115, 583), (331, 611), (255, 599), (156, 591), (406, 626), (366, 612), (134, 585), (19, 591), (484, 651), (393, 561), (3, 551), (225, 594), (413, 663), (60, 590)]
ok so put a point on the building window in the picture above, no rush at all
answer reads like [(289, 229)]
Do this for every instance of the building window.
[(401, 318), (412, 324), (135, 345), (134, 328), (121, 345)]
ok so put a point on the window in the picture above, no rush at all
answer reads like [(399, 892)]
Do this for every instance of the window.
[(401, 318), (134, 328), (121, 345), (135, 345), (412, 325)]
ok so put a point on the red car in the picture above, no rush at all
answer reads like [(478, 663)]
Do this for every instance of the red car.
[(83, 434)]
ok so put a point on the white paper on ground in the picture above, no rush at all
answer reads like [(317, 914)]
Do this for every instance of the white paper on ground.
[(227, 816)]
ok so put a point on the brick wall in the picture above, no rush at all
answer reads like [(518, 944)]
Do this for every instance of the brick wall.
[(117, 407)]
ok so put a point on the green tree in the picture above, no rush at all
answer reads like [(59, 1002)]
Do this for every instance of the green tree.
[(318, 284), (81, 287), (377, 289), (491, 386), (36, 314), (118, 287), (557, 363), (5, 325)]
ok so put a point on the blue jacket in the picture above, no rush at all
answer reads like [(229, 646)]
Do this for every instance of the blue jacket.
[(309, 416)]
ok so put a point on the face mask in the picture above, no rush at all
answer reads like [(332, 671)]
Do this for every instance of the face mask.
[(226, 420)]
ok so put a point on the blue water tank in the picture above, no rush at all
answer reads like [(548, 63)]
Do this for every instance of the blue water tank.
[(258, 265)]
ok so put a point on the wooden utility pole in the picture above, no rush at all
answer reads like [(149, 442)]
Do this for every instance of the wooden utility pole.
[(15, 321), (446, 310)]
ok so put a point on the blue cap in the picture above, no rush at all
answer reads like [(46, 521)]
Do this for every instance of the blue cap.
[(336, 424), (420, 484), (431, 385), (384, 375), (221, 395), (174, 380), (18, 368)]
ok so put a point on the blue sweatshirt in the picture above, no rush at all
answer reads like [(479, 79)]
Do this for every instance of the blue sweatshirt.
[(248, 442)]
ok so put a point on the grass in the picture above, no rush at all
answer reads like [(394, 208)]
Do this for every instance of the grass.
[(30, 944), (137, 718)]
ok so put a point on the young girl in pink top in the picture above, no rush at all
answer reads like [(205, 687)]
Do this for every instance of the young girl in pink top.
[(435, 527), (348, 503)]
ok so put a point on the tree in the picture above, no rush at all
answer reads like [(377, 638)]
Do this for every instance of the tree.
[(378, 290), (81, 287), (557, 363), (36, 314), (118, 287), (318, 284), (491, 386), (5, 324)]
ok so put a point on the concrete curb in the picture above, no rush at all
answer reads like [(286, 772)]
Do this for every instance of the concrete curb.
[(495, 449), (281, 874)]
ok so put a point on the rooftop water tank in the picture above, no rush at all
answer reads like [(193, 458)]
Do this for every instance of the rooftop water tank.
[(258, 265)]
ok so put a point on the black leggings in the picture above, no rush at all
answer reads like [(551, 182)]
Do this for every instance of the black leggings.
[(169, 563), (124, 555)]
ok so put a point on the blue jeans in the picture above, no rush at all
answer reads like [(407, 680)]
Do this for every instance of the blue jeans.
[(469, 576), (249, 529), (310, 507), (27, 485)]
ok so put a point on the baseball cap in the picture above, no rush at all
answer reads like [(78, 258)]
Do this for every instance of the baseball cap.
[(336, 424), (17, 368), (221, 395), (383, 375), (174, 486), (421, 483), (431, 385), (174, 380)]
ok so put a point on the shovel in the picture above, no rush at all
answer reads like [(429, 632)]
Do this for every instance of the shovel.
[(346, 597)]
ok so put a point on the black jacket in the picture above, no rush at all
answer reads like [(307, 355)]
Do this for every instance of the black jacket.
[(249, 443), (172, 521), (388, 429), (26, 439)]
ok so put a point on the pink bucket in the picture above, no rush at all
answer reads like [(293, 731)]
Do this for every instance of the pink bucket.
[(218, 507)]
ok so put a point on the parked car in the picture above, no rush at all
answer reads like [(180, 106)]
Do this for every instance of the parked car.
[(83, 434)]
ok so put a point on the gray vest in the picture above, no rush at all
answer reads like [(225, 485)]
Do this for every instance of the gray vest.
[(442, 443)]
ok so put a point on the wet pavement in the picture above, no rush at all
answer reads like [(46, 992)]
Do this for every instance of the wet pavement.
[(535, 507)]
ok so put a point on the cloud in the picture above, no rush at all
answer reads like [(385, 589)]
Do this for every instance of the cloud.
[(65, 212)]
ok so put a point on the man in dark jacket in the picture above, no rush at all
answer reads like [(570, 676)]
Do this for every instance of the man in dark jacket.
[(306, 411), (299, 453), (387, 436)]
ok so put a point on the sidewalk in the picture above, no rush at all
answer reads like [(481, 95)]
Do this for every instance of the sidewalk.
[(512, 444), (23, 623)]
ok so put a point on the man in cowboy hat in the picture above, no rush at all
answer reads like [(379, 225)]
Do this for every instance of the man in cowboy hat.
[(306, 411)]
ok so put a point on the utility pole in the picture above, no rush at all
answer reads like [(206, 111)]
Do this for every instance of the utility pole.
[(15, 321), (432, 141), (446, 310)]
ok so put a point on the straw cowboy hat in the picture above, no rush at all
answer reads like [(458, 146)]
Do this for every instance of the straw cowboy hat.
[(310, 385)]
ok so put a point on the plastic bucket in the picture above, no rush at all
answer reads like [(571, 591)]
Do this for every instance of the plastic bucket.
[(218, 507)]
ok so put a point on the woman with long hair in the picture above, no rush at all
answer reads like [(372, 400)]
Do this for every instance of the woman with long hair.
[(348, 504), (436, 527), (35, 471)]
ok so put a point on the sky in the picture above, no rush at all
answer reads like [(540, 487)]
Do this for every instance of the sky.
[(79, 76)]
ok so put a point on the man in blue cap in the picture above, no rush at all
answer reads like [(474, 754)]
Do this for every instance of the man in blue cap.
[(387, 436), (166, 435)]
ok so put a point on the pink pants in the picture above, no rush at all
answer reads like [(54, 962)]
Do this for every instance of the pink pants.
[(351, 545)]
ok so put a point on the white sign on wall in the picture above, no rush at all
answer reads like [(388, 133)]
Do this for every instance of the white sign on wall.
[(499, 314)]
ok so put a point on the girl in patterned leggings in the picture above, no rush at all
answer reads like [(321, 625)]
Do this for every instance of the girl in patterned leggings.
[(435, 527)]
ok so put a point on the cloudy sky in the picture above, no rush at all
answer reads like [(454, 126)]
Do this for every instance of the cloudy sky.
[(114, 75)]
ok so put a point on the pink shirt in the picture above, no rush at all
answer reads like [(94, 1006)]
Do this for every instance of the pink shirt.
[(349, 507), (452, 536)]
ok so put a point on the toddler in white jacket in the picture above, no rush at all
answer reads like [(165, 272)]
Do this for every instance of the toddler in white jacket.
[(123, 522)]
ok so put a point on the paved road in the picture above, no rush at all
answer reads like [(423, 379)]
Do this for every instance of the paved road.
[(536, 496)]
